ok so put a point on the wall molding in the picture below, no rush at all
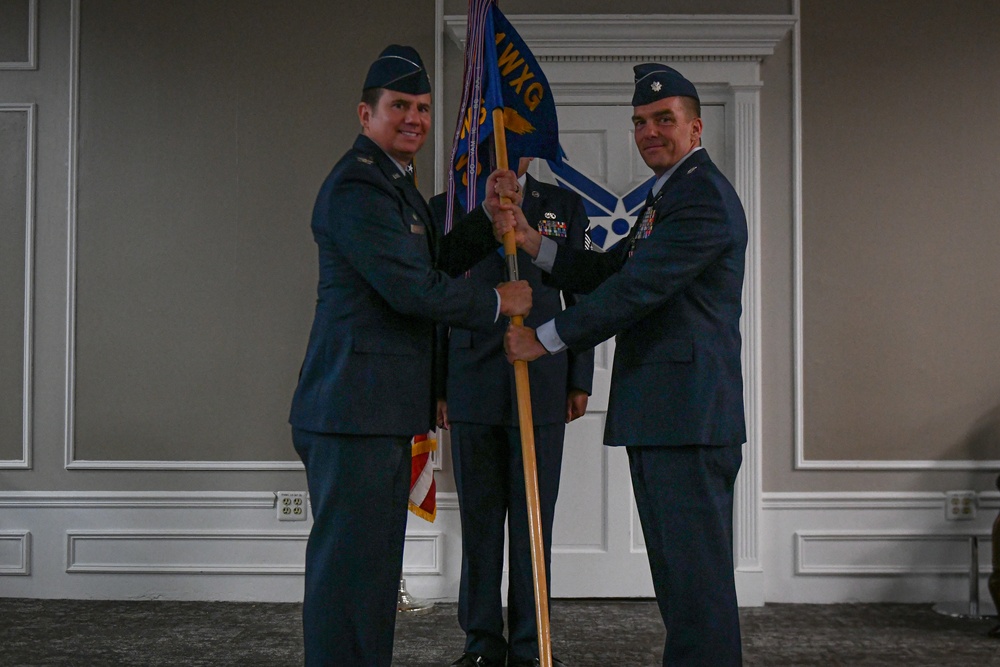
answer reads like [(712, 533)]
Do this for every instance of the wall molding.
[(643, 36), (72, 164), (71, 461), (426, 551), (174, 466), (837, 547), (160, 563), (27, 403), (140, 499), (188, 545), (32, 49), (870, 500), (724, 53), (22, 540), (164, 499), (802, 462), (903, 540)]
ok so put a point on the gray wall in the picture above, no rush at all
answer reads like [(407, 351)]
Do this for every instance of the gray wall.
[(13, 31), (13, 205), (900, 237), (205, 130)]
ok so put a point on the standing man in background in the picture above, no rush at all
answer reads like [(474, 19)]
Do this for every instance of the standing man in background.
[(479, 405), (365, 388), (671, 291)]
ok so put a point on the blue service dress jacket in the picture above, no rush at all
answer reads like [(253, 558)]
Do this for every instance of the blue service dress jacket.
[(383, 283), (479, 382), (675, 305)]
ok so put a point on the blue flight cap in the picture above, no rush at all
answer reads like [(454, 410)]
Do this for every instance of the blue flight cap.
[(654, 81), (399, 68)]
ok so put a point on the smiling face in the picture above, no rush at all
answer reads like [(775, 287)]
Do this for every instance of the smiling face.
[(398, 123), (665, 131)]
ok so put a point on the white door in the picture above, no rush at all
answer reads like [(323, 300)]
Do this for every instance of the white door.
[(597, 543)]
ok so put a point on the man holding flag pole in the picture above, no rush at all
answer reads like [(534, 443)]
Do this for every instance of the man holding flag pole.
[(477, 403), (672, 293), (507, 99), (365, 387)]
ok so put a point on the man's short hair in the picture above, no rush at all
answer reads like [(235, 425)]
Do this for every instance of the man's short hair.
[(692, 107), (371, 96)]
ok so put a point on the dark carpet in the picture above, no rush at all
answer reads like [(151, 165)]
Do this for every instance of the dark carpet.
[(585, 633)]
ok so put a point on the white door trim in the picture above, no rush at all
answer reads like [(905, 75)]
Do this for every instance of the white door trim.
[(722, 55)]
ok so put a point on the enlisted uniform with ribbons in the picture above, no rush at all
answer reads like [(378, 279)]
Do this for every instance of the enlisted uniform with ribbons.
[(365, 387), (486, 444), (671, 292)]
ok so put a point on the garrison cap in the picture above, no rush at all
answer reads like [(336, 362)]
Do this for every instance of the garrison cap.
[(399, 68), (654, 81)]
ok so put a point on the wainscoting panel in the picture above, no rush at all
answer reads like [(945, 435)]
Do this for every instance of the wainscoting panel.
[(15, 552), (872, 547), (187, 546)]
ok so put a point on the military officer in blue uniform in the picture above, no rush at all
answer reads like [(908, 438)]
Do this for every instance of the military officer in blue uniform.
[(479, 404), (671, 292), (365, 388)]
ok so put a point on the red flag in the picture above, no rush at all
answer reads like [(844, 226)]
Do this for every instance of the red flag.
[(423, 493)]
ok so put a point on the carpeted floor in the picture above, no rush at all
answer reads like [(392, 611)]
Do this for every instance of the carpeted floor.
[(585, 633)]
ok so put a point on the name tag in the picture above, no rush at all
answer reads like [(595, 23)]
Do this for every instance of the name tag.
[(418, 229)]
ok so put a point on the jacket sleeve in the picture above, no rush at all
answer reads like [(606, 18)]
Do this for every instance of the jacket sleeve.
[(470, 240), (687, 237), (393, 256), (580, 372), (441, 362)]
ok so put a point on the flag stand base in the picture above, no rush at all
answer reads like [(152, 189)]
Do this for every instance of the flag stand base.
[(410, 605)]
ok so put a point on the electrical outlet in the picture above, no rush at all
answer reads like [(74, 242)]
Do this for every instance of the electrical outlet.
[(960, 505), (291, 505)]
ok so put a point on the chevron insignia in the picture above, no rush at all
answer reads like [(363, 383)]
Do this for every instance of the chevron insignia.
[(611, 214)]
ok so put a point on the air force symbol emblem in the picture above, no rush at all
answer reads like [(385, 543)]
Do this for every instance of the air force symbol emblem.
[(611, 213)]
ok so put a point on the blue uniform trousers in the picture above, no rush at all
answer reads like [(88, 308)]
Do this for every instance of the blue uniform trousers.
[(489, 475), (685, 500), (358, 491)]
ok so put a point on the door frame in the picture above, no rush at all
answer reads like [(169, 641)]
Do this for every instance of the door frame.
[(588, 59)]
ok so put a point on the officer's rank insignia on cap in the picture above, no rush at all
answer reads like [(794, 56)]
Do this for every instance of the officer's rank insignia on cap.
[(663, 82), (366, 160), (551, 227)]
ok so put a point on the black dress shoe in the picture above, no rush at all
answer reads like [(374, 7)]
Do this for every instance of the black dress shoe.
[(474, 660), (534, 662)]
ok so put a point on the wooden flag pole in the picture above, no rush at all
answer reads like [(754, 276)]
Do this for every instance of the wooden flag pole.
[(527, 435)]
